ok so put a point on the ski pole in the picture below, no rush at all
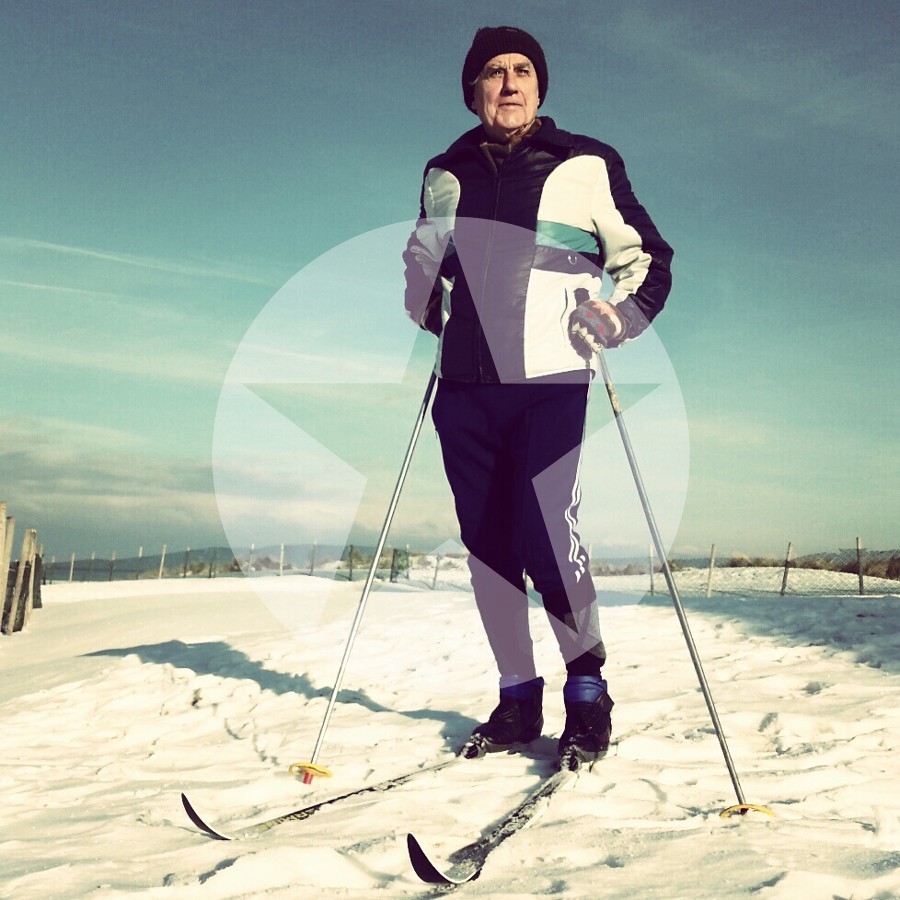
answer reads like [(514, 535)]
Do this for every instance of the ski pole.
[(311, 768), (742, 805)]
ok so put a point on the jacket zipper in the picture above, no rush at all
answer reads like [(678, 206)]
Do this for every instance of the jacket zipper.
[(484, 278)]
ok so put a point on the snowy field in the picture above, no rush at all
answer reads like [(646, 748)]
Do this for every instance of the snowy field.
[(121, 695)]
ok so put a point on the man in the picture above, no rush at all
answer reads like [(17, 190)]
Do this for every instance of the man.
[(518, 219)]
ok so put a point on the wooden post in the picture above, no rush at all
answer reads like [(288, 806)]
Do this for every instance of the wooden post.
[(162, 562), (27, 604), (437, 565), (15, 607), (787, 565), (112, 564), (7, 555), (281, 561), (72, 569), (859, 565), (39, 579), (393, 575), (650, 564), (6, 549), (3, 568), (712, 565), (140, 559), (6, 527), (4, 562), (312, 556)]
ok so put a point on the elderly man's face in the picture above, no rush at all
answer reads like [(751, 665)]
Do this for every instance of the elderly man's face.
[(506, 95)]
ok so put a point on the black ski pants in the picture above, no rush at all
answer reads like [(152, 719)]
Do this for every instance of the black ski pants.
[(512, 454)]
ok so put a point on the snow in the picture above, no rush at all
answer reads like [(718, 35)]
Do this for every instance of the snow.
[(121, 695)]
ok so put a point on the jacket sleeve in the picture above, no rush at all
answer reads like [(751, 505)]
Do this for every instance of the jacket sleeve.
[(636, 257), (422, 265), (430, 247)]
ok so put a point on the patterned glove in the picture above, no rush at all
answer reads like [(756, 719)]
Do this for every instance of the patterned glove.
[(596, 325)]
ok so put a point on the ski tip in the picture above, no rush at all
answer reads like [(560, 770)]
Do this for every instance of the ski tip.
[(194, 816), (427, 870)]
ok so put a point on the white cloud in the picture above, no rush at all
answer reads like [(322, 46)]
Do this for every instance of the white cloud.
[(157, 360), (177, 267)]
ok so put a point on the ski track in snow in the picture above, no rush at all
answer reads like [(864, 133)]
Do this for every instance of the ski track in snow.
[(121, 695)]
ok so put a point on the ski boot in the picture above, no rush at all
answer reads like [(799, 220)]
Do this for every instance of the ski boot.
[(585, 739), (517, 720)]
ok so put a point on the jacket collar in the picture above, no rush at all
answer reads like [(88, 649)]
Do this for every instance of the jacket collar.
[(547, 135)]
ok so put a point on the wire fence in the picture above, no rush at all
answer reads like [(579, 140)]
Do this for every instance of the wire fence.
[(844, 571), (349, 562)]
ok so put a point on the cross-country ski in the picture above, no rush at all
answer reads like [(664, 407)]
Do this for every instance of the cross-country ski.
[(298, 815), (466, 863)]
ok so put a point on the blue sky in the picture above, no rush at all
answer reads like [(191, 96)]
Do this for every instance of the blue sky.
[(169, 167)]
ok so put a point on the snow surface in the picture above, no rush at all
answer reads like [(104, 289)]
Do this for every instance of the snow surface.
[(121, 695)]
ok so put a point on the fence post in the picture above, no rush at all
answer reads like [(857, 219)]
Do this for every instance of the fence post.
[(393, 575), (712, 565), (27, 602), (9, 525), (9, 624), (137, 575), (312, 556), (162, 562), (3, 568), (8, 545), (787, 565), (72, 569), (38, 579), (281, 561), (437, 565), (859, 565), (4, 561)]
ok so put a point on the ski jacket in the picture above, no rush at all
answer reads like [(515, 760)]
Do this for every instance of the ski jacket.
[(498, 254)]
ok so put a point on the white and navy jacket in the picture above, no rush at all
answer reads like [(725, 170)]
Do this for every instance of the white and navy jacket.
[(498, 254)]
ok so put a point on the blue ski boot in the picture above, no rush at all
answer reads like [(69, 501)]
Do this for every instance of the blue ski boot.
[(517, 720), (585, 738)]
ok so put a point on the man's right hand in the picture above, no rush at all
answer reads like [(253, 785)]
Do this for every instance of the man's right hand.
[(596, 325)]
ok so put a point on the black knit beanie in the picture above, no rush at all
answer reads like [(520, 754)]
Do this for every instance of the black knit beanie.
[(491, 42)]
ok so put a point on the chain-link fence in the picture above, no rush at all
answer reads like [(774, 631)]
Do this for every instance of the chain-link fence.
[(350, 562), (843, 571)]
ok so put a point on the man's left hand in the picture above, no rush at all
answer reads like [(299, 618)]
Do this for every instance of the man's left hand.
[(596, 325)]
